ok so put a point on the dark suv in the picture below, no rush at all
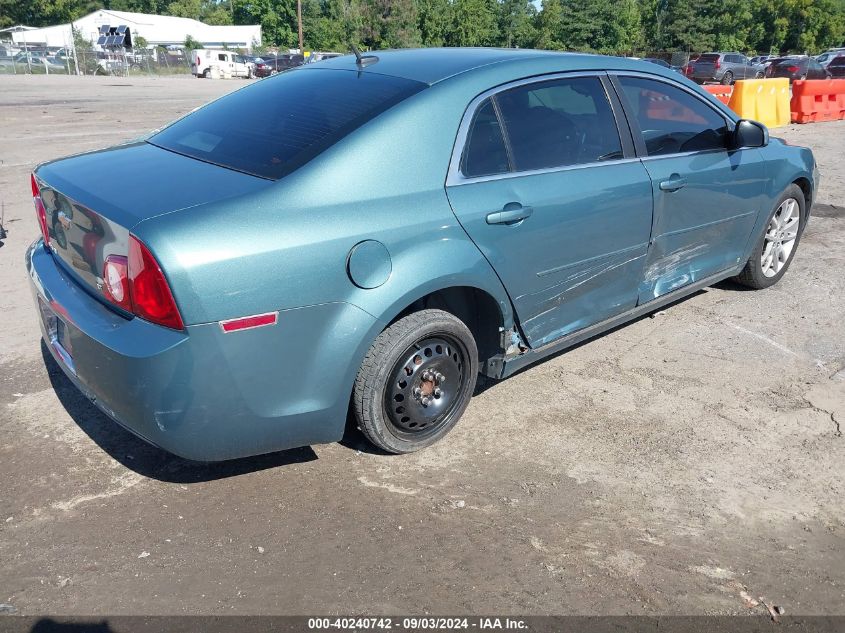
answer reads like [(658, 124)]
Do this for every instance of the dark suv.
[(724, 68), (273, 65), (796, 68), (836, 67)]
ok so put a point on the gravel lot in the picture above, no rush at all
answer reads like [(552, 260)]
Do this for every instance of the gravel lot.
[(678, 465)]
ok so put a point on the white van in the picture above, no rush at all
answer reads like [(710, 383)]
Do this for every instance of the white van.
[(228, 63)]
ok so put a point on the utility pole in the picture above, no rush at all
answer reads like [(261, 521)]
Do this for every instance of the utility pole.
[(299, 24), (73, 46)]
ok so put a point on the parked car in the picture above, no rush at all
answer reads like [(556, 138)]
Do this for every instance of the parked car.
[(836, 67), (317, 56), (797, 67), (38, 62), (664, 63), (212, 294), (203, 60), (724, 68), (273, 65), (825, 58)]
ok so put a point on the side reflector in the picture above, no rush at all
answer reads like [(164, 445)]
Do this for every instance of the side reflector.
[(247, 323)]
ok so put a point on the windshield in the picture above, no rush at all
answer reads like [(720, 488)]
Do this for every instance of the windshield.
[(278, 124)]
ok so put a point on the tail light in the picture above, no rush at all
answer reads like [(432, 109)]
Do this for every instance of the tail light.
[(137, 285), (40, 211), (116, 282), (198, 61), (792, 69), (717, 64)]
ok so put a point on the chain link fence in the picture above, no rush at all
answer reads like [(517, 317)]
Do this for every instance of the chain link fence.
[(158, 61)]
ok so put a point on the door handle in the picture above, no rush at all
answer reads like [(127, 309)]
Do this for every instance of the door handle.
[(674, 183), (511, 213)]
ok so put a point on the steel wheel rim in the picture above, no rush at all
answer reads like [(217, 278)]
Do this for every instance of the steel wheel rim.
[(425, 386), (779, 241)]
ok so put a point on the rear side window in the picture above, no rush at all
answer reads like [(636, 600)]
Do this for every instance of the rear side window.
[(484, 153), (672, 120), (278, 124), (558, 123)]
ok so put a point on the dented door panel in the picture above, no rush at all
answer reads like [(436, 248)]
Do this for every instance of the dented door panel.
[(702, 227), (578, 258)]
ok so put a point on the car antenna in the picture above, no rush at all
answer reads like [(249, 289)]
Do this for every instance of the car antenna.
[(362, 60)]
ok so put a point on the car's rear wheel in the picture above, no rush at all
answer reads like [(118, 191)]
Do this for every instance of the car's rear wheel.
[(416, 381), (777, 246), (759, 75), (727, 78)]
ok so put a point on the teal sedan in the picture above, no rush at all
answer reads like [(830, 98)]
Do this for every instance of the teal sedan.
[(372, 232)]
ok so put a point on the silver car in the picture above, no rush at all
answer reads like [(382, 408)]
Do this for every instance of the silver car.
[(725, 68)]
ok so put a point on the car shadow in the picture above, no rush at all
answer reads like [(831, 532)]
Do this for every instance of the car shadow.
[(144, 458)]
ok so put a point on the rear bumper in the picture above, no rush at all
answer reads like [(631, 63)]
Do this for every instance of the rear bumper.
[(203, 394)]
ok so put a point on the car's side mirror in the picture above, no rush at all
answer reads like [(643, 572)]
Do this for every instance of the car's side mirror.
[(749, 133)]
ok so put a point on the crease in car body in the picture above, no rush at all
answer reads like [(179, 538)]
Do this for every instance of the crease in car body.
[(465, 290)]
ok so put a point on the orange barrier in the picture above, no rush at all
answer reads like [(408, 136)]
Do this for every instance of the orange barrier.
[(722, 93), (818, 100)]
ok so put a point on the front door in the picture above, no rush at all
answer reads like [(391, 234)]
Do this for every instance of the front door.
[(706, 198), (562, 214)]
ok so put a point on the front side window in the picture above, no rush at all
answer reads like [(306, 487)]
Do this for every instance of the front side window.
[(672, 120), (558, 123), (221, 57), (302, 113)]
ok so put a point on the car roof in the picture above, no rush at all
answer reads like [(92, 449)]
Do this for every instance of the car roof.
[(432, 65)]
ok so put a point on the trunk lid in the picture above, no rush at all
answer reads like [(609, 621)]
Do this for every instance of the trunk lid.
[(92, 201)]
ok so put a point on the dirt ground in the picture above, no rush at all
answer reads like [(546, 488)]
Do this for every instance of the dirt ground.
[(687, 463)]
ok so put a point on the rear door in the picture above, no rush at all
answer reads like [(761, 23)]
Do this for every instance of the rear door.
[(543, 183), (706, 198)]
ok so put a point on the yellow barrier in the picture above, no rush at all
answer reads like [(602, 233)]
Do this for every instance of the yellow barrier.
[(763, 100)]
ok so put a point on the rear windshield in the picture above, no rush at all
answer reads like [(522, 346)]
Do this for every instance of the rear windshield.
[(790, 62), (278, 124), (709, 57)]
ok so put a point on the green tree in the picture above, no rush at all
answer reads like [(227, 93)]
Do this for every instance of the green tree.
[(391, 24), (190, 43), (474, 23), (516, 23), (435, 21), (549, 26)]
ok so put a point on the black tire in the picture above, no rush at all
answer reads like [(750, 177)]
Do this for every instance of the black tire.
[(727, 78), (391, 389), (752, 275), (759, 75), (206, 74)]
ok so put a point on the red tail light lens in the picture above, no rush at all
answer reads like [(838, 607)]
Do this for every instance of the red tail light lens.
[(792, 69), (150, 293), (116, 282), (718, 64), (40, 211)]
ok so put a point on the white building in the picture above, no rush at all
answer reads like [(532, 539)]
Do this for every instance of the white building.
[(156, 29)]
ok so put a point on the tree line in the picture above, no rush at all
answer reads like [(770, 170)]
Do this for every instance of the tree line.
[(602, 26)]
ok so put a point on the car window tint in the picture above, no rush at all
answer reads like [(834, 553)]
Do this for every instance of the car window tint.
[(301, 113), (672, 120), (558, 123), (484, 153), (221, 57)]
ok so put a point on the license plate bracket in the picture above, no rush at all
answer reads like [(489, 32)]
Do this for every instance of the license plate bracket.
[(58, 333)]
